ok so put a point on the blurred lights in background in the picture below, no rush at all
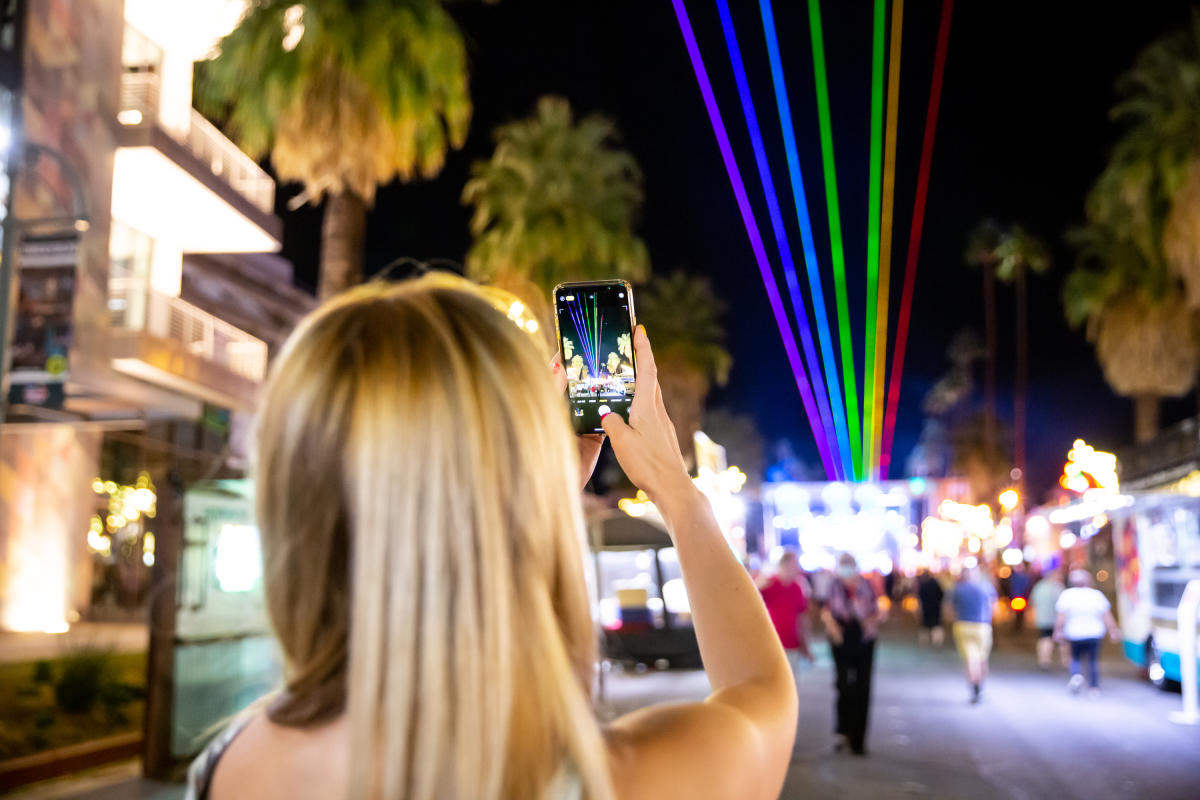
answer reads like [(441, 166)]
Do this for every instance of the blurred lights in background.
[(1087, 468), (293, 27), (1037, 526), (1009, 499), (975, 520), (238, 563)]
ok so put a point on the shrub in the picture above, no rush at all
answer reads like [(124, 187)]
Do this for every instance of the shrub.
[(44, 719), (43, 672), (84, 677)]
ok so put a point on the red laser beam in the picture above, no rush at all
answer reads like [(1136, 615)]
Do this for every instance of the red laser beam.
[(914, 237)]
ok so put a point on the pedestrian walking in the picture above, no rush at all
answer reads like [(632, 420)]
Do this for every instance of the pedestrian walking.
[(785, 594), (1084, 615), (930, 597), (1019, 584), (424, 578), (850, 613), (1044, 598), (973, 598)]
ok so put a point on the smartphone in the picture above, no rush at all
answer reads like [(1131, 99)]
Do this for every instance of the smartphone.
[(594, 322)]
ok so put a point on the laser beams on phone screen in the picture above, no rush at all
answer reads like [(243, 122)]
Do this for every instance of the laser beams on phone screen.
[(595, 327)]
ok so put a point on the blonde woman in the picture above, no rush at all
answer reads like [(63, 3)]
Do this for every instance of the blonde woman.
[(424, 554)]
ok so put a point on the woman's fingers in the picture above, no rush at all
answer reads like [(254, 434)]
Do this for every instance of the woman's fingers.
[(646, 395), (645, 355), (560, 374)]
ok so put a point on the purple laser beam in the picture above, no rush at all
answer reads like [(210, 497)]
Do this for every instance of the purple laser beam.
[(756, 243)]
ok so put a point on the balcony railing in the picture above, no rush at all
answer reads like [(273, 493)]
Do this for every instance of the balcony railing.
[(135, 306), (140, 106)]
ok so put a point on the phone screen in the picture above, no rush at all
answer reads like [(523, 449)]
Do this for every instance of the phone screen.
[(595, 328)]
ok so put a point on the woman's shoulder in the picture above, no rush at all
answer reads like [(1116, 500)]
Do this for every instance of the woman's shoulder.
[(256, 757), (204, 766)]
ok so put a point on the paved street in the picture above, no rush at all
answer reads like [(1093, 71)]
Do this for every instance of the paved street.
[(1027, 739), (115, 636)]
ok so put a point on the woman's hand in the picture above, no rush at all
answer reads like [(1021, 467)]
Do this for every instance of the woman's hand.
[(589, 443), (832, 629), (646, 446)]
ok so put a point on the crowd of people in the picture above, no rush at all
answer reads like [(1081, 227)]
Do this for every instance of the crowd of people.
[(850, 606)]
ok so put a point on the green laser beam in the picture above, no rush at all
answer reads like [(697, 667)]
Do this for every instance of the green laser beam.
[(876, 157), (846, 344), (596, 332)]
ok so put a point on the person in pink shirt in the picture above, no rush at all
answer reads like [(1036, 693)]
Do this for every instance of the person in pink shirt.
[(786, 596)]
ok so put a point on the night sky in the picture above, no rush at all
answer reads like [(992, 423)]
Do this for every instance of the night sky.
[(1023, 132)]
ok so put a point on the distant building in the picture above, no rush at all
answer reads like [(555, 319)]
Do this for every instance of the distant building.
[(143, 334)]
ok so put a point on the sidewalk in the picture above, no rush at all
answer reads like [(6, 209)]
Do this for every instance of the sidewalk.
[(116, 636), (1029, 738)]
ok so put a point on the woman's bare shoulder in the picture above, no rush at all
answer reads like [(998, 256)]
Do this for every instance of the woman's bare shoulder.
[(694, 750), (266, 760)]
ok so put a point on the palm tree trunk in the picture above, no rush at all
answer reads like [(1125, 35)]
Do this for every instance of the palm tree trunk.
[(989, 386), (1145, 417), (1021, 388), (342, 233), (683, 391)]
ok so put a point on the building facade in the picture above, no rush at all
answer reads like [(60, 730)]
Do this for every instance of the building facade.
[(149, 298)]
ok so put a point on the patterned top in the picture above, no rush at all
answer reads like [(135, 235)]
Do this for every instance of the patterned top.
[(200, 773), (857, 602)]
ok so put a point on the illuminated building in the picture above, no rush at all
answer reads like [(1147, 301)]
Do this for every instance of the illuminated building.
[(150, 292), (886, 525)]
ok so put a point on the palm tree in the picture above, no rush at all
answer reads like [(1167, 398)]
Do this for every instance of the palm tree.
[(1136, 315), (557, 201), (683, 322), (1006, 254), (1161, 108), (345, 96), (982, 251), (1017, 254), (1140, 251)]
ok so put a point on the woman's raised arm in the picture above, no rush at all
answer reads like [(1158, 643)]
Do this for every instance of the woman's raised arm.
[(738, 742)]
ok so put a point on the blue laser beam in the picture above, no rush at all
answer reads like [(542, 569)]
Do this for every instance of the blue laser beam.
[(836, 433), (800, 200)]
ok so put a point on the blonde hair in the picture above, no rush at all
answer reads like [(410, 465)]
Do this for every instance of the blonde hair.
[(423, 547)]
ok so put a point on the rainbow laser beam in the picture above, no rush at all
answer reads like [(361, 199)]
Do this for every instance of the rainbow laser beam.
[(885, 232), (837, 253), (756, 243), (876, 148), (781, 240), (812, 266), (588, 332), (914, 237)]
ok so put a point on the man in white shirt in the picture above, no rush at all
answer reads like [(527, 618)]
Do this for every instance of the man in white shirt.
[(1084, 614)]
